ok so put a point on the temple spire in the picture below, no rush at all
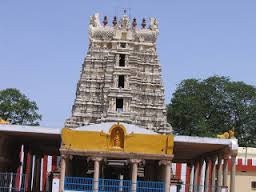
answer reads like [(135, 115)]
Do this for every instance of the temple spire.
[(121, 76)]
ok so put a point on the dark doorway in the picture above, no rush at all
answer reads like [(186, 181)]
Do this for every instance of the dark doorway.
[(121, 81), (119, 104), (114, 169), (122, 60)]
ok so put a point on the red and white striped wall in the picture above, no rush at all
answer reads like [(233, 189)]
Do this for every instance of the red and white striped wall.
[(182, 172), (48, 164)]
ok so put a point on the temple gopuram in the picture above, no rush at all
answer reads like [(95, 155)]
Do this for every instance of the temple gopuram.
[(121, 77), (117, 137), (119, 108)]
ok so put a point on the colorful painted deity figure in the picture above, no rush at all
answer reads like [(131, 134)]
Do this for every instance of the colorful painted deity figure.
[(117, 140)]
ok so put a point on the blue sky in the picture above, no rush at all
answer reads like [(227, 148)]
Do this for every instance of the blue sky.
[(43, 44)]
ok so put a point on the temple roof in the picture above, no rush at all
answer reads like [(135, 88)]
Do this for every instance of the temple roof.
[(29, 129), (191, 147), (105, 127)]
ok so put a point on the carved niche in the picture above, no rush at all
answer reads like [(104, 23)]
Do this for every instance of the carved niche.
[(117, 137)]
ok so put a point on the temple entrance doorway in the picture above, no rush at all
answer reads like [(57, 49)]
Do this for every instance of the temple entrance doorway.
[(116, 169), (79, 167)]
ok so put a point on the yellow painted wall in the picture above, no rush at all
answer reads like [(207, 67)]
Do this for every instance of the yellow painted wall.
[(99, 141), (243, 181)]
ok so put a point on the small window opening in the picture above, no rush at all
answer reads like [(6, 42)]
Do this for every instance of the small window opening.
[(119, 104), (122, 60), (121, 81), (123, 45), (253, 185)]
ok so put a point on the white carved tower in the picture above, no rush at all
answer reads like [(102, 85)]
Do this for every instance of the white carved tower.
[(121, 76)]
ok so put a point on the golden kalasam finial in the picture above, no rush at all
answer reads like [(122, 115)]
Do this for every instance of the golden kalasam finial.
[(230, 134)]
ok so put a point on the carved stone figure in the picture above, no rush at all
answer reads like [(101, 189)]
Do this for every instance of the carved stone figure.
[(231, 133), (125, 22), (95, 20), (153, 24), (227, 135)]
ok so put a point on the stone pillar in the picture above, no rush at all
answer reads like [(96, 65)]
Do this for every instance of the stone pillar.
[(96, 173), (202, 176), (134, 171), (214, 173), (30, 171), (24, 181), (121, 183), (219, 184), (207, 178), (225, 170), (25, 160), (192, 174), (68, 164), (37, 174), (233, 173), (196, 176), (62, 173), (167, 174)]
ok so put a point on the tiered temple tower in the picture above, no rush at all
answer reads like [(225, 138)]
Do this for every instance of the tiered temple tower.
[(121, 76)]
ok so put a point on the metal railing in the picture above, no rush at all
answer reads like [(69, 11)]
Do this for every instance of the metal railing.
[(150, 186), (111, 185), (78, 184), (12, 182), (114, 185)]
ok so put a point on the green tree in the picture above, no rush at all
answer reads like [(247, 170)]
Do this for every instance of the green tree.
[(212, 106), (17, 108)]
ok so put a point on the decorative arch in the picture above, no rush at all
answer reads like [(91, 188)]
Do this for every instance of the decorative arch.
[(117, 136)]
